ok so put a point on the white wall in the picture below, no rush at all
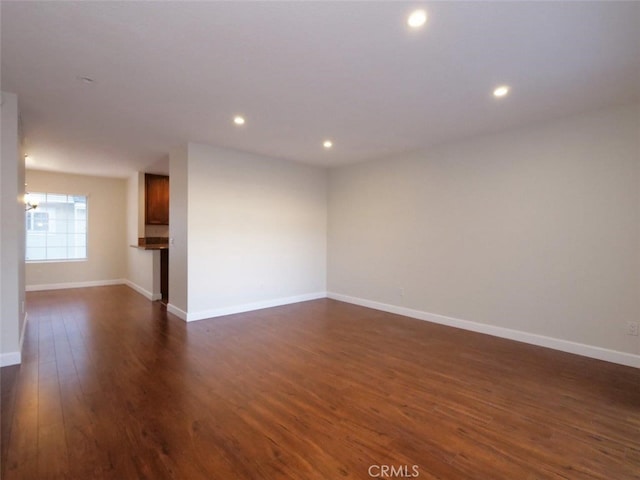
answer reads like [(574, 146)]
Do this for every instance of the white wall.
[(535, 230), (256, 231), (143, 266), (178, 231), (12, 315), (107, 240)]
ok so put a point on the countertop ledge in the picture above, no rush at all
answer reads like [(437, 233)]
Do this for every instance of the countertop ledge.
[(152, 246)]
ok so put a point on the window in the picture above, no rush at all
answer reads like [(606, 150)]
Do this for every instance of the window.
[(57, 230)]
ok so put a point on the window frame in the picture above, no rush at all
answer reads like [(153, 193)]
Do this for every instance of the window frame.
[(86, 233)]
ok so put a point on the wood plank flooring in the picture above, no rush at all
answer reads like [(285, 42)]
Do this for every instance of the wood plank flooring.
[(113, 387)]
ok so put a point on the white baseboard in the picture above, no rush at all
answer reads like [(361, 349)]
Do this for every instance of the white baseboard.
[(64, 286), (11, 358), (171, 308), (143, 291), (24, 329), (248, 307), (15, 358), (591, 351), (622, 358)]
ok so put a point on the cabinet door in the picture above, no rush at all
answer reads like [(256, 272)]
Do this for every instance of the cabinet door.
[(156, 211)]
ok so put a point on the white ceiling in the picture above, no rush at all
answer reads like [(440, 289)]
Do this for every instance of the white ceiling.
[(171, 72)]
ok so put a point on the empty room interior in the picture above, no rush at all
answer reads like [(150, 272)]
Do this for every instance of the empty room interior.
[(320, 240)]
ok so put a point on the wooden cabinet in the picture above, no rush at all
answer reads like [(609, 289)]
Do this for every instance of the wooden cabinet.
[(156, 205)]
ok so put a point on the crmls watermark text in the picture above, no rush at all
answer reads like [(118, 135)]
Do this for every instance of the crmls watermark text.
[(393, 471)]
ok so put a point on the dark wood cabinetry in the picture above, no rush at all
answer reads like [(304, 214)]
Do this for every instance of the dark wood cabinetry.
[(156, 205)]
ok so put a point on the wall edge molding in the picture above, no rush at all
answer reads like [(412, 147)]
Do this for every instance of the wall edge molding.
[(64, 286), (591, 351), (24, 329), (142, 291), (248, 307), (178, 312), (10, 358)]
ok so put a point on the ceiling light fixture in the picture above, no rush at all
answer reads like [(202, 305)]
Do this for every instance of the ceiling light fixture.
[(501, 91), (327, 144), (86, 80), (417, 18), (238, 120)]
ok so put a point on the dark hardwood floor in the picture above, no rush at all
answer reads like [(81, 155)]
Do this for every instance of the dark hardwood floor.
[(114, 387)]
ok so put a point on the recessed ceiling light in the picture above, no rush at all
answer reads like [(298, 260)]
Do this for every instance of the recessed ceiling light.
[(417, 18), (327, 144), (501, 91), (238, 120)]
